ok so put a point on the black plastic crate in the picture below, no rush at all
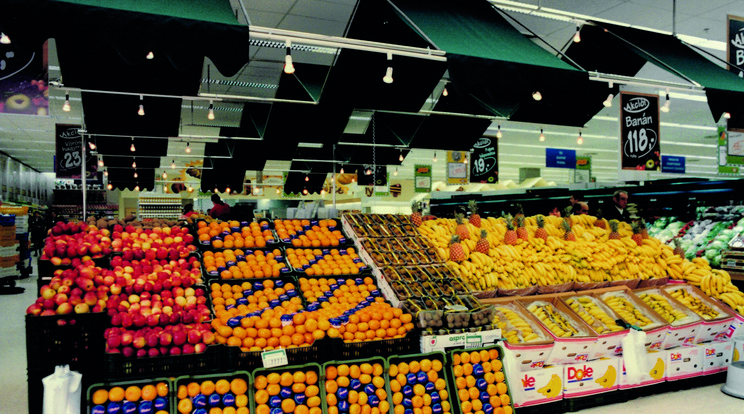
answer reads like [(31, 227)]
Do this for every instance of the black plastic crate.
[(361, 386), (556, 407), (181, 391), (409, 344), (160, 401), (74, 339), (450, 369), (605, 398), (119, 368), (215, 277), (442, 374), (321, 350), (260, 377)]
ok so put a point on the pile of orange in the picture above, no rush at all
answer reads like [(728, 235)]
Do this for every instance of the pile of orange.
[(420, 385), (315, 263), (223, 395), (302, 233), (156, 394), (356, 389), (479, 379), (291, 391), (250, 237), (257, 264)]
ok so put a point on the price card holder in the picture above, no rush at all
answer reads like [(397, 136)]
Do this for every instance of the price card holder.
[(639, 132), (274, 358)]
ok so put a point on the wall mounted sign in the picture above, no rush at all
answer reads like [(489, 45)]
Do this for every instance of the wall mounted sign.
[(639, 132), (735, 43), (457, 167), (484, 167), (670, 164), (422, 178), (560, 158)]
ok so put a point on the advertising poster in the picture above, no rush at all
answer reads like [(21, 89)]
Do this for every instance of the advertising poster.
[(560, 158), (735, 43), (484, 167), (24, 74), (639, 132), (69, 153), (457, 167), (422, 178)]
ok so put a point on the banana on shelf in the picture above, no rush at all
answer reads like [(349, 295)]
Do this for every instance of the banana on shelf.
[(686, 296), (624, 307), (672, 312), (594, 313), (559, 323), (516, 328)]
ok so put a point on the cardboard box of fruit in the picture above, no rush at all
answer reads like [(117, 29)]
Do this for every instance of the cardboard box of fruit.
[(716, 318), (684, 324)]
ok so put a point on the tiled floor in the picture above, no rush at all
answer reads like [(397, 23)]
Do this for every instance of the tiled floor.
[(14, 390)]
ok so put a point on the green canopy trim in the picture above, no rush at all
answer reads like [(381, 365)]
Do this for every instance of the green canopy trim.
[(215, 11)]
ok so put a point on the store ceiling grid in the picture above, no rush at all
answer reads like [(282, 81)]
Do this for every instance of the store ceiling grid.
[(687, 130)]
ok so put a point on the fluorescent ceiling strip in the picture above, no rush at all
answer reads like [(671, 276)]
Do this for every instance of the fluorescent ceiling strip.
[(309, 145)]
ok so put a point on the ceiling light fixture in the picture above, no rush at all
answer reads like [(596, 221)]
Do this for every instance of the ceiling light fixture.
[(110, 187), (141, 111), (304, 191), (288, 66), (400, 157), (608, 102), (342, 170), (4, 39), (135, 174), (190, 189), (210, 115), (395, 173), (66, 105), (132, 148), (165, 175), (580, 139), (577, 36), (100, 162), (136, 188), (435, 157), (91, 145), (173, 164), (134, 164), (388, 78), (105, 173), (307, 178), (665, 108), (188, 147), (150, 55), (445, 92), (368, 171), (542, 135), (499, 134), (727, 115), (227, 190), (537, 95)]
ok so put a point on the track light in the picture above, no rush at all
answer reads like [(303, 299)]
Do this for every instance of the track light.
[(608, 102), (395, 173), (256, 191), (105, 173), (66, 105), (100, 162), (499, 134), (577, 36), (727, 115), (580, 139), (307, 178), (135, 174), (150, 55), (210, 115), (110, 187), (91, 145), (465, 159), (227, 190), (4, 39), (188, 148), (136, 188), (134, 164), (132, 148), (165, 175), (141, 111), (400, 157), (665, 108), (537, 95), (165, 188), (342, 170), (435, 157), (173, 164), (542, 135), (445, 92), (278, 191), (368, 171), (304, 191), (388, 78), (288, 66), (190, 189)]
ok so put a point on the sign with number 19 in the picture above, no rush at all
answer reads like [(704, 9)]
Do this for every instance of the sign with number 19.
[(639, 132)]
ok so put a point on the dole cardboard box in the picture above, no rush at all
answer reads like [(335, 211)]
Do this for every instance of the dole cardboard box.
[(573, 339), (634, 311), (444, 343), (712, 325), (602, 320), (526, 343), (655, 362), (717, 355), (684, 362), (538, 386), (684, 324), (736, 327), (591, 377)]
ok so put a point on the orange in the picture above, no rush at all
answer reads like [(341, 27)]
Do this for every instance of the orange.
[(116, 394), (149, 392), (207, 387), (162, 388), (288, 405), (262, 397), (241, 400), (238, 386), (184, 406), (222, 386), (133, 393), (100, 397)]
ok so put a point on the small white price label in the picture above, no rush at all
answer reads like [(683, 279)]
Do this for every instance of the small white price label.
[(473, 341), (274, 358)]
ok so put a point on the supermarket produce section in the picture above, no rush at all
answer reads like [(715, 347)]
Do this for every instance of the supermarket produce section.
[(382, 313)]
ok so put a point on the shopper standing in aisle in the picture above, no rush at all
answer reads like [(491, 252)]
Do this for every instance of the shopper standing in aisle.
[(220, 209), (619, 210), (580, 207), (188, 211), (38, 232)]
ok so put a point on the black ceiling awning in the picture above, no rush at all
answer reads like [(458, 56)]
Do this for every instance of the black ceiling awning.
[(448, 132)]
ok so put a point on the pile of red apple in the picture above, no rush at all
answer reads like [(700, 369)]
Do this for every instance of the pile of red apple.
[(135, 243), (181, 339), (169, 307), (80, 290), (67, 241)]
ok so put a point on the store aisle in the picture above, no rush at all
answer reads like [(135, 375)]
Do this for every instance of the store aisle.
[(14, 388)]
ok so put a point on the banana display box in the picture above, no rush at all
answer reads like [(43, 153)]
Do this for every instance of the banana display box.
[(684, 324), (539, 386), (602, 320), (684, 362), (716, 318), (717, 355), (591, 377), (526, 343), (634, 311), (655, 361), (736, 327)]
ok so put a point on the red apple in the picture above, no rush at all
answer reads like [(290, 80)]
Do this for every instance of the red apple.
[(64, 308), (82, 308)]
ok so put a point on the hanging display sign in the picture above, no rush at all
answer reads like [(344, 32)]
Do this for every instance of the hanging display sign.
[(422, 178), (560, 158), (639, 132), (484, 166), (69, 151), (670, 164), (735, 44), (457, 167), (584, 163)]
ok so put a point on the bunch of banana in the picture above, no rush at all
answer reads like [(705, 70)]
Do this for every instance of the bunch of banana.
[(661, 305), (553, 320), (513, 327), (478, 272), (626, 310), (590, 311), (694, 303)]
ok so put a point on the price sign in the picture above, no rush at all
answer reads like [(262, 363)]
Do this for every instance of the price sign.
[(639, 132), (274, 358), (69, 151), (484, 166), (422, 178), (735, 44), (457, 167)]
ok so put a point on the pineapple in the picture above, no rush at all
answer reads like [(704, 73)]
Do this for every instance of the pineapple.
[(457, 254), (462, 228), (541, 233), (614, 234), (521, 230), (510, 237), (566, 214), (637, 236), (600, 222), (483, 245), (644, 229), (568, 235), (678, 250), (416, 215), (519, 213), (475, 218)]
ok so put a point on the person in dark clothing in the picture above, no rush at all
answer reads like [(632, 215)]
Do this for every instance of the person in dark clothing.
[(220, 210), (38, 232), (618, 211)]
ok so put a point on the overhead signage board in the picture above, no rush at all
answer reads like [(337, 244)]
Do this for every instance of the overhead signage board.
[(560, 158), (484, 167), (69, 153), (670, 164), (639, 132), (422, 178), (735, 44)]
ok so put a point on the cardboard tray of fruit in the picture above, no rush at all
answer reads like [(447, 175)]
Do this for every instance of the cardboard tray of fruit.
[(601, 319), (409, 376), (229, 263), (345, 381), (139, 396), (716, 318), (633, 311), (117, 367), (241, 291), (200, 393), (313, 262), (684, 324), (486, 371)]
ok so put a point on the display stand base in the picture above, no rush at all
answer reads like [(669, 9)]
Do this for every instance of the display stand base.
[(8, 287), (557, 407), (699, 381), (590, 401)]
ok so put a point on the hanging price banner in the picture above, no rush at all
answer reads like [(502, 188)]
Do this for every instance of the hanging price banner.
[(484, 167), (639, 132), (735, 44)]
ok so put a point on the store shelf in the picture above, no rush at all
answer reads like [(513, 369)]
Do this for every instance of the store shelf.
[(159, 206)]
